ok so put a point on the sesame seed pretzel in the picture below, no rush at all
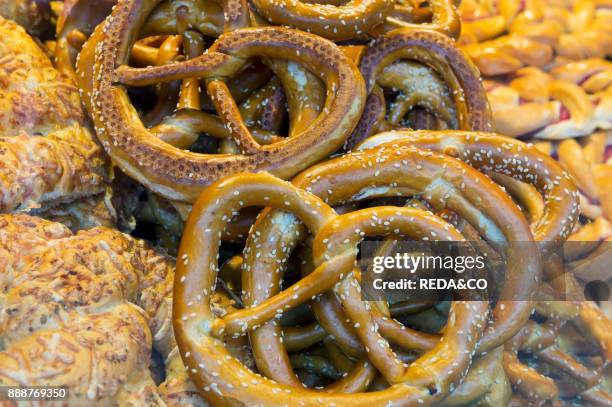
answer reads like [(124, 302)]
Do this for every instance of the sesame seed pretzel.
[(333, 249), (489, 152), (334, 325), (435, 51), (559, 372), (357, 19), (337, 22), (180, 175), (492, 153)]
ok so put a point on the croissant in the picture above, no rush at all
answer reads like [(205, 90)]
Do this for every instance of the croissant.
[(85, 311), (42, 113)]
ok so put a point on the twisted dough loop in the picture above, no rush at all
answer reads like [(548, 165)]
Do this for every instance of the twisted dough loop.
[(438, 53), (428, 378), (348, 21), (489, 152), (492, 153), (262, 281), (180, 175)]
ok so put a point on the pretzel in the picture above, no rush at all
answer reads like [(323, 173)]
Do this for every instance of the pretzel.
[(451, 144), (314, 175), (202, 350), (491, 153), (435, 51), (179, 175), (559, 365), (337, 22)]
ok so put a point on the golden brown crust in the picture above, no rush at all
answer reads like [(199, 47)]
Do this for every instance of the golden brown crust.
[(180, 175), (494, 154), (437, 52), (94, 299), (335, 238), (61, 167), (101, 359), (405, 14), (85, 310), (505, 36), (34, 99), (343, 22), (47, 153)]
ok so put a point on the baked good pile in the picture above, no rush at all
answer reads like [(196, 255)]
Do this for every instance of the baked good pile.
[(187, 188)]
